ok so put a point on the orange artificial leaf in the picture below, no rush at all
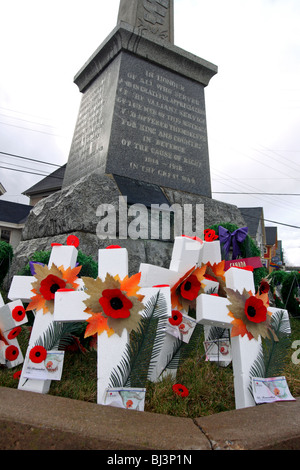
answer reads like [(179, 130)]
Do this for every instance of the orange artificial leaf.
[(97, 323), (70, 275), (131, 285), (239, 328), (200, 272), (219, 269), (37, 303)]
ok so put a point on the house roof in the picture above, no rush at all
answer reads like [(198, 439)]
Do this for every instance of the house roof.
[(13, 212), (252, 217), (52, 182), (271, 235)]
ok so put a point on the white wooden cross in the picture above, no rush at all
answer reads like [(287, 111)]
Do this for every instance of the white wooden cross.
[(69, 307), (12, 316), (213, 311), (186, 254), (21, 287), (210, 310)]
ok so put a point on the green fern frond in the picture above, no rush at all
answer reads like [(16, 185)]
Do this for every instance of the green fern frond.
[(188, 349), (258, 368), (173, 359), (273, 355), (280, 323), (182, 351), (59, 335), (145, 344), (276, 351), (216, 332)]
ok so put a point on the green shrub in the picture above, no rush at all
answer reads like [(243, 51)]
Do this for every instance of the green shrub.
[(89, 266), (6, 255), (289, 291)]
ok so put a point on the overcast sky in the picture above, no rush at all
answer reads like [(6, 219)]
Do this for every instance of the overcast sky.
[(252, 104)]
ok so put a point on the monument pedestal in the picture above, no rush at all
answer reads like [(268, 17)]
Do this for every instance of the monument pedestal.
[(142, 114)]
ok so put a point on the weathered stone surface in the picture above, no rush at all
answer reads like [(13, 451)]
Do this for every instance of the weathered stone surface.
[(215, 211), (125, 37), (72, 209), (75, 208), (139, 251), (83, 426), (30, 421), (152, 18)]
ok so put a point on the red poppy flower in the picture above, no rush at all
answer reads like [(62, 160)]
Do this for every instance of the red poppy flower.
[(11, 353), (14, 332), (189, 289), (73, 241), (255, 310), (180, 390), (115, 304), (37, 354), (176, 318), (17, 375), (210, 235), (264, 287), (18, 313), (50, 285)]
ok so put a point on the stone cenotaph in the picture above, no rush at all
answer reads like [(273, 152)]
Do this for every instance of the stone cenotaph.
[(141, 134)]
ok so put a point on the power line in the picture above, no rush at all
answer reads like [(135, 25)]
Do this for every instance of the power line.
[(239, 187), (32, 173), (27, 120), (61, 178), (33, 130), (268, 220), (261, 194), (26, 114), (31, 159), (281, 223)]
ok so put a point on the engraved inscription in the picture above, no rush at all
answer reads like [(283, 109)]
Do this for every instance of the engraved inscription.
[(91, 135), (144, 122), (159, 129)]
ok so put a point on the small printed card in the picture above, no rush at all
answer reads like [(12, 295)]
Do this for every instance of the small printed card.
[(50, 369), (128, 398), (184, 329), (218, 350), (270, 390)]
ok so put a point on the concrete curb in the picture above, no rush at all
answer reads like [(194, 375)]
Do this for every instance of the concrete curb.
[(30, 421)]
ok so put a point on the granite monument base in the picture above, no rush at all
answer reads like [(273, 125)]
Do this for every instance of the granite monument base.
[(79, 208)]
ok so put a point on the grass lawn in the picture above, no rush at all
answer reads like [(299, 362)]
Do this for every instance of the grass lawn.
[(210, 386)]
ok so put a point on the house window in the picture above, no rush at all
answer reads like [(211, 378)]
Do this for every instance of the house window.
[(5, 235)]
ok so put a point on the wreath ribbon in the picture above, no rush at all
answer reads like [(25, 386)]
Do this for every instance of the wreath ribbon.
[(227, 239)]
